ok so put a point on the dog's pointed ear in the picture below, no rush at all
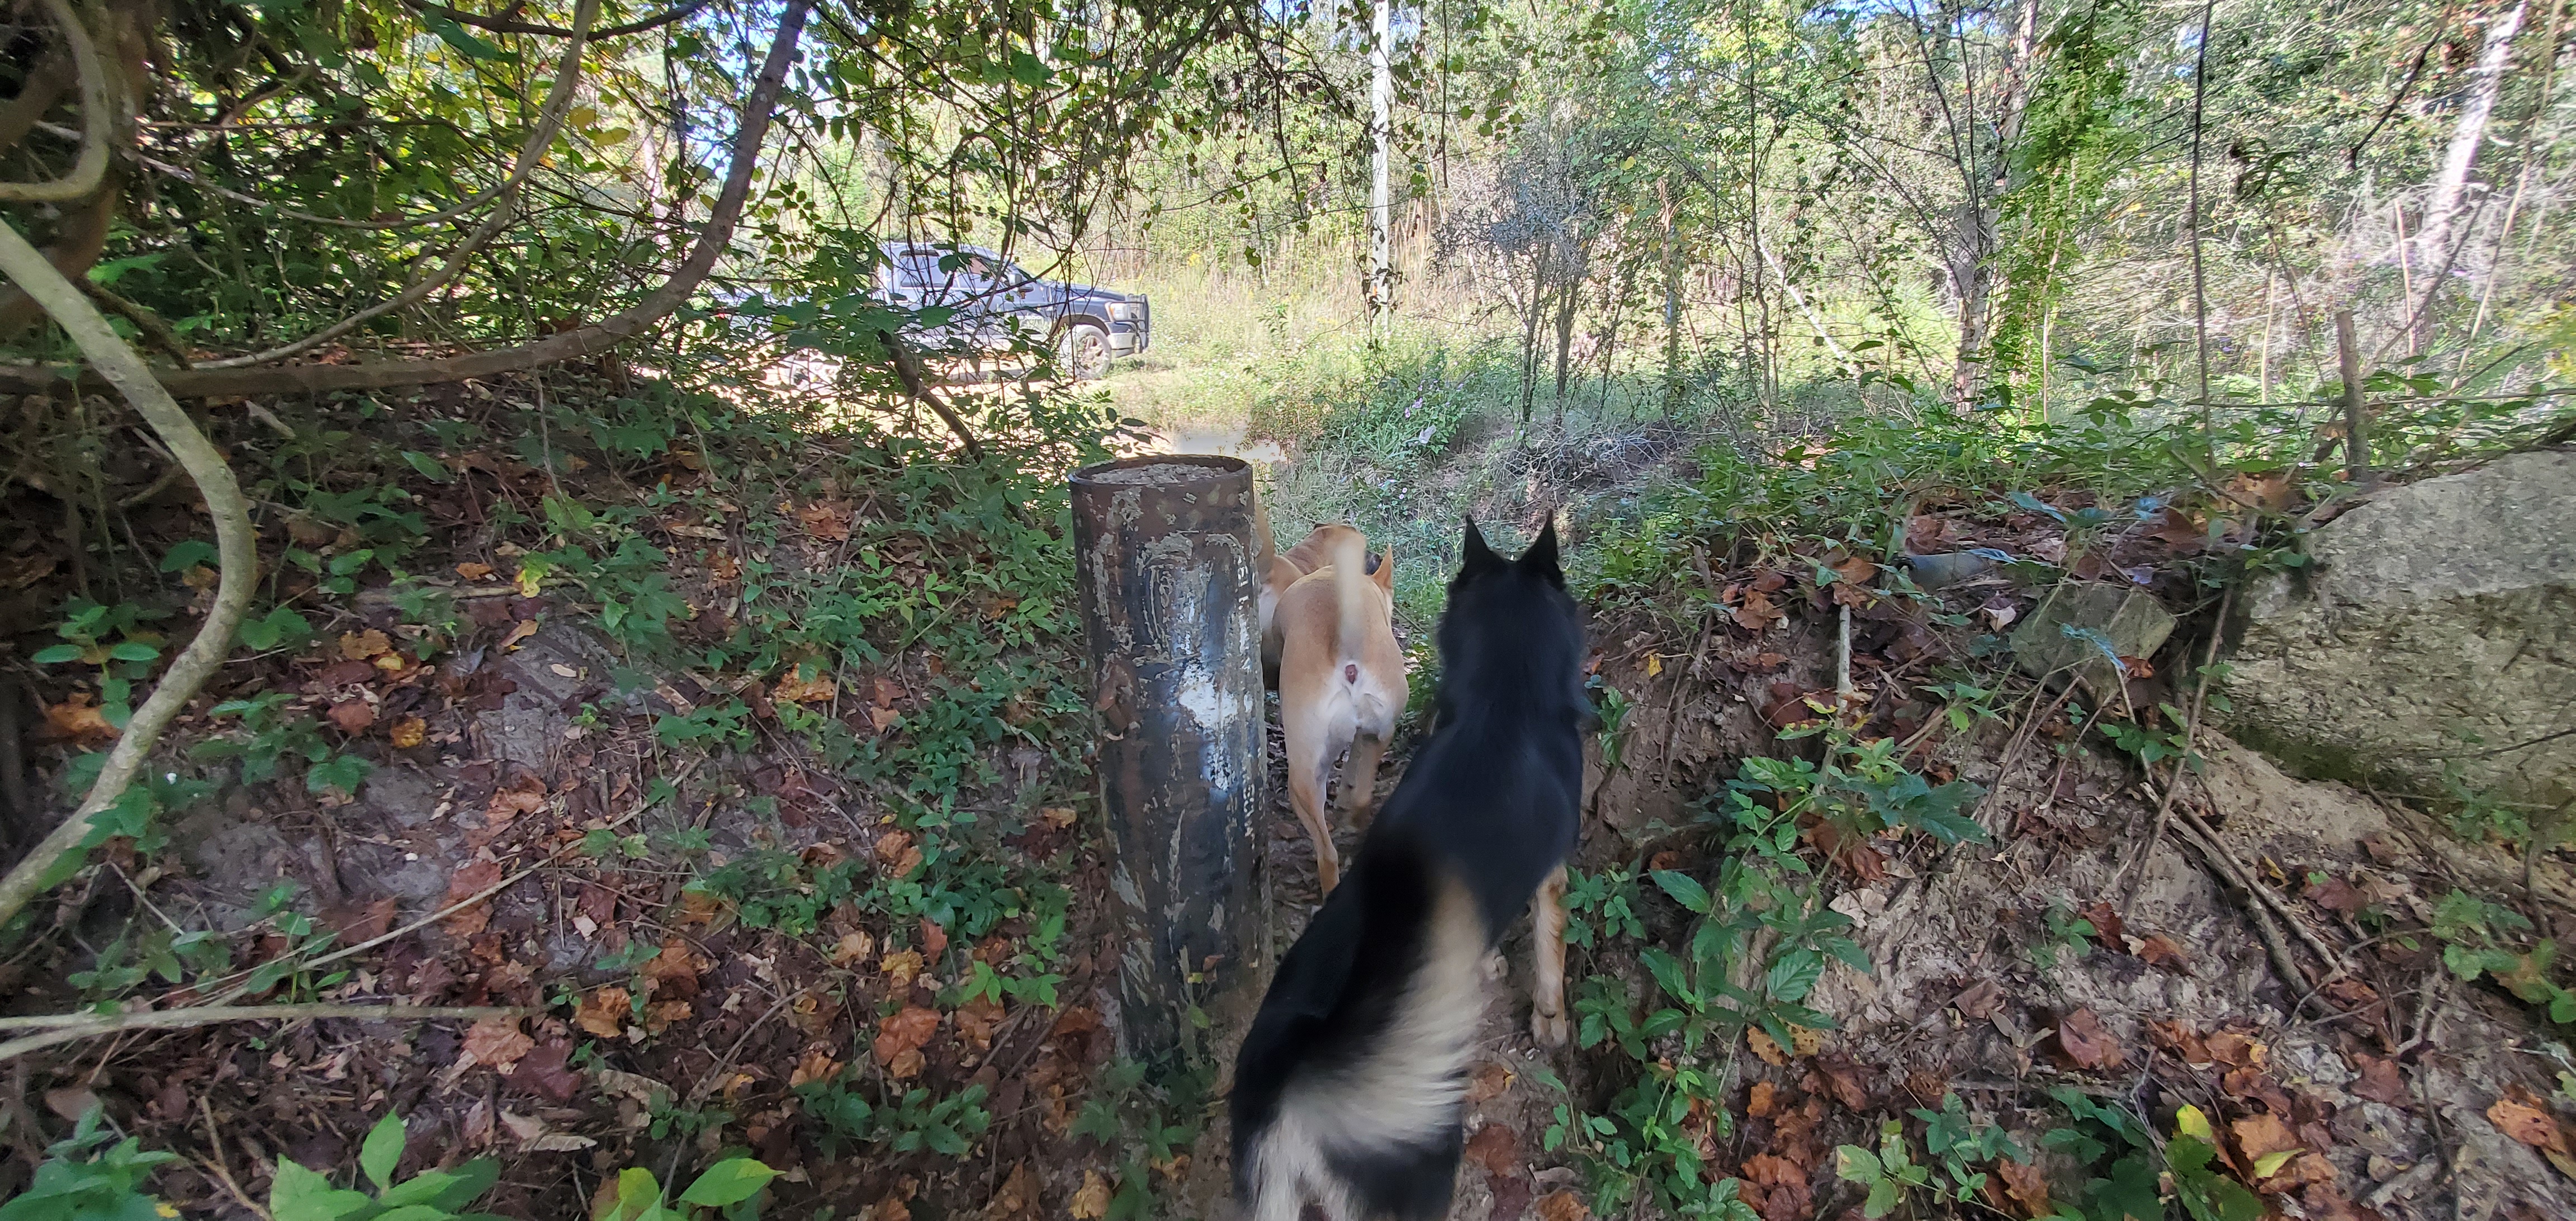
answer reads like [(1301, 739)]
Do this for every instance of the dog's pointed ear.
[(1541, 556), (1473, 555)]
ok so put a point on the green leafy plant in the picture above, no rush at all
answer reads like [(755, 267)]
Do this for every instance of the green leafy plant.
[(271, 733), (730, 1187), (2480, 938), (81, 1181), (301, 1194), (112, 639)]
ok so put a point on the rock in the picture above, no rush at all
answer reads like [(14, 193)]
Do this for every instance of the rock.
[(1948, 568), (2433, 631), (2130, 619)]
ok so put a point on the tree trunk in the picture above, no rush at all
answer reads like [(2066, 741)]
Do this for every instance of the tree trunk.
[(2433, 238), (1672, 253), (1381, 285), (1975, 237)]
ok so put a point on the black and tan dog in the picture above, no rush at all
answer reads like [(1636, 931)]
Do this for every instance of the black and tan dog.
[(1348, 1088)]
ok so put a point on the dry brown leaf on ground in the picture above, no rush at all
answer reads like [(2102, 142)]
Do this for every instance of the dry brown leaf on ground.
[(797, 689), (1488, 1083), (1496, 1148), (469, 880), (673, 973), (497, 1042), (407, 732), (1979, 1001), (1562, 1205), (934, 939), (2381, 1080), (2233, 1048), (352, 716), (1762, 1100), (472, 571), (1762, 1046), (1091, 1200), (906, 1031), (525, 795), (366, 645), (2108, 928), (2086, 1043), (827, 520), (977, 1019), (2160, 951), (524, 629), (901, 967), (2530, 1125), (816, 1064), (1018, 1194), (659, 1015), (1855, 570), (853, 949), (79, 719), (535, 1137), (604, 1011), (2026, 1185), (891, 1208)]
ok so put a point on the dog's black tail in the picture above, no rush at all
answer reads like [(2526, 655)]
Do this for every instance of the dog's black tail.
[(1348, 1086)]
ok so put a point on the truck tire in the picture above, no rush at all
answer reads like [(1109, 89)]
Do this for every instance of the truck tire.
[(1083, 351)]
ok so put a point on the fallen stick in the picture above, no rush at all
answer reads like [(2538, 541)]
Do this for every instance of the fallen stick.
[(2135, 870), (71, 1027)]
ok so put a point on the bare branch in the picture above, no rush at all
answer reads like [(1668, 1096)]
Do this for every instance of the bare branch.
[(507, 25), (757, 113), (236, 559), (85, 173), (549, 119), (70, 1027)]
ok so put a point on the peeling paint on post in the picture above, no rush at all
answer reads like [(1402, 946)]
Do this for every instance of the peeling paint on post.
[(1164, 553)]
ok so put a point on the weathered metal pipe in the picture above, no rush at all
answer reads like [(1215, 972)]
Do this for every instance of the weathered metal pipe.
[(1165, 562)]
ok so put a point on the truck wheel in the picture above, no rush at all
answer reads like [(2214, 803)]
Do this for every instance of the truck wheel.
[(1083, 351)]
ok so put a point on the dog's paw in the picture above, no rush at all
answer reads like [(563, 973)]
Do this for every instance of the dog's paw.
[(1550, 1029)]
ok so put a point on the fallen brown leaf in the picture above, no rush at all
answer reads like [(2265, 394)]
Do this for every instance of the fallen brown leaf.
[(1018, 1194), (77, 718), (407, 732), (605, 1011), (2087, 1044), (1496, 1148), (2262, 1135), (796, 689), (816, 1065), (2026, 1185), (826, 520), (2233, 1048), (1488, 1083), (2381, 1080), (524, 795), (353, 716), (472, 571), (497, 1042), (1763, 1046), (1979, 1001), (905, 1032), (2108, 928), (470, 879), (1761, 1100), (362, 646), (934, 939), (1091, 1200), (2160, 951), (673, 973), (853, 948), (2530, 1125), (901, 967), (1562, 1205), (544, 1071)]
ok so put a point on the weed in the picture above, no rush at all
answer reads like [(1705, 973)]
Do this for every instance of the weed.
[(300, 1194), (911, 1121), (2483, 938), (79, 1179)]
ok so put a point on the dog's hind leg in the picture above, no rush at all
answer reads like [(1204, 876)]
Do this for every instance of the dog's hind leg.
[(1547, 951), (1306, 793), (1359, 779)]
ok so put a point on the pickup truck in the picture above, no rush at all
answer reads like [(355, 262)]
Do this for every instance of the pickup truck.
[(998, 302)]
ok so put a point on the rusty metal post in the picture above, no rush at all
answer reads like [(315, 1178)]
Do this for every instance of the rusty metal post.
[(1164, 554)]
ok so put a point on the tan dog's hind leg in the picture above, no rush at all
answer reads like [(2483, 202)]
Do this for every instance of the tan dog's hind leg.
[(1306, 792), (1359, 779), (1547, 951)]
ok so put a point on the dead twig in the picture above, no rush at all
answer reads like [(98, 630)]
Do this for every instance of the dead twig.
[(907, 368), (73, 1027), (2136, 869), (223, 1172)]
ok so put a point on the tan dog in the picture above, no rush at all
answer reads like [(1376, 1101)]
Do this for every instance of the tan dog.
[(1341, 678)]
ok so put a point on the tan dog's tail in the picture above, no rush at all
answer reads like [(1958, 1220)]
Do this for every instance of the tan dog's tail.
[(1264, 548), (1350, 591)]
